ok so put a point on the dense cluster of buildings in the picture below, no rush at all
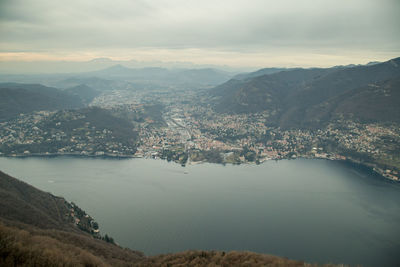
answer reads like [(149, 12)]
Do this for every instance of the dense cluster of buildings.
[(45, 133), (193, 129), (189, 133)]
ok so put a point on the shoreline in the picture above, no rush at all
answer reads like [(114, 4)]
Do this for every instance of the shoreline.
[(75, 155), (373, 168)]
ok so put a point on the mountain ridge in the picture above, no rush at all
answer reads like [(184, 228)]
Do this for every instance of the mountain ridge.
[(293, 93), (16, 98)]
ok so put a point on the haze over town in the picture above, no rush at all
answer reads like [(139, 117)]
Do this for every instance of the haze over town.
[(199, 133)]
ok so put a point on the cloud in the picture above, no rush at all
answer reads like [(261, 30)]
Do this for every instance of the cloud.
[(252, 26)]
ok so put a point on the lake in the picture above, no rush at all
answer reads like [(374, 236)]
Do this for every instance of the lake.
[(313, 210)]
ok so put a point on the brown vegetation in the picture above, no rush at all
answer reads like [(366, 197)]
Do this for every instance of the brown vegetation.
[(218, 258), (34, 232), (35, 247)]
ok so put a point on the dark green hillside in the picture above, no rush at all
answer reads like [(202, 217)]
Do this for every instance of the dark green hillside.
[(267, 92), (24, 203), (25, 98), (88, 131), (333, 85), (98, 84), (311, 97), (84, 92), (94, 117), (261, 72), (373, 102)]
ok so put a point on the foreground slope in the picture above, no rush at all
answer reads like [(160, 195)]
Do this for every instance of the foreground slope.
[(26, 204), (35, 232)]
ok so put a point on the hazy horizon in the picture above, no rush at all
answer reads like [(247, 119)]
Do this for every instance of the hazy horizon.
[(96, 64), (246, 34)]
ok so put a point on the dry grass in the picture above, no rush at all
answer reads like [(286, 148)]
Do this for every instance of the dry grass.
[(34, 232), (36, 247), (219, 258)]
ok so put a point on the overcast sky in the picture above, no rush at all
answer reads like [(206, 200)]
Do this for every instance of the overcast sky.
[(258, 33)]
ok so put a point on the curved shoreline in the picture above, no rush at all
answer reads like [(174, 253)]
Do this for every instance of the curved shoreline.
[(373, 168)]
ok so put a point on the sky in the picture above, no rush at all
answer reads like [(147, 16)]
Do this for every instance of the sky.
[(256, 33)]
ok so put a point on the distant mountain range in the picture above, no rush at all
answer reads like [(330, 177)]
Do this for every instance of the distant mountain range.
[(313, 97), (18, 98), (162, 77), (294, 97), (57, 67), (119, 77), (260, 72)]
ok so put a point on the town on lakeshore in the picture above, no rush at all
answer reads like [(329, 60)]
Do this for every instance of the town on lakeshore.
[(169, 126), (200, 133)]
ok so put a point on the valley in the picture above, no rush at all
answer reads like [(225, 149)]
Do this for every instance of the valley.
[(200, 133), (188, 125)]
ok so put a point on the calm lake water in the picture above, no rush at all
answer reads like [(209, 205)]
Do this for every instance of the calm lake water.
[(312, 210)]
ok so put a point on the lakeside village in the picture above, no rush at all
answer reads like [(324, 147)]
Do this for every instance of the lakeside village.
[(245, 138), (84, 222), (194, 134)]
